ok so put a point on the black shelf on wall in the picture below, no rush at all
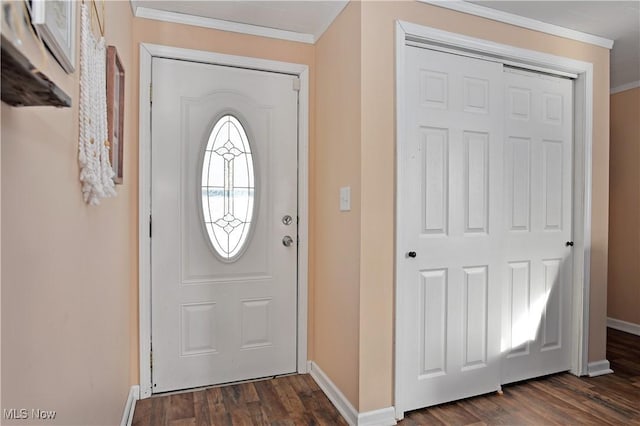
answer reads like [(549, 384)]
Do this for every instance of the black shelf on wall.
[(24, 85)]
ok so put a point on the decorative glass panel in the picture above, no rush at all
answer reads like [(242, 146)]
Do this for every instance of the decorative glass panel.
[(228, 188)]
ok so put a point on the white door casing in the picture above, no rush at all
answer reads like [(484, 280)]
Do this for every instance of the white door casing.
[(216, 321), (450, 221), (537, 291)]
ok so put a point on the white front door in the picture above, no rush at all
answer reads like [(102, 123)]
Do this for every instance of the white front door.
[(484, 215), (224, 224), (448, 224), (537, 265)]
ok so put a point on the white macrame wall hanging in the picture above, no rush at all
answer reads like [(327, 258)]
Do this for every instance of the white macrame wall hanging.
[(96, 173)]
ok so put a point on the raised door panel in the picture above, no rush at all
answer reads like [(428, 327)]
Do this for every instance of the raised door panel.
[(433, 315), (519, 325), (476, 189), (518, 183), (553, 305), (434, 88), (475, 321), (435, 181), (199, 324), (552, 196)]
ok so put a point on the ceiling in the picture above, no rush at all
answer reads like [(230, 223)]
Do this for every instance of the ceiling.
[(615, 20), (311, 17)]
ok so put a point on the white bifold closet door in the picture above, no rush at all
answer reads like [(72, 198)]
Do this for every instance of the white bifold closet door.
[(484, 211)]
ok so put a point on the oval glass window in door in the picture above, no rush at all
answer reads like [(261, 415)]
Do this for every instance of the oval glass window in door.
[(228, 188)]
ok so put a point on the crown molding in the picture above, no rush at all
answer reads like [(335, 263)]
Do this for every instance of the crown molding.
[(219, 24), (520, 21)]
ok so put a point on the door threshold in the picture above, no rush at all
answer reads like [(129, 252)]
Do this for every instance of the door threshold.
[(220, 385)]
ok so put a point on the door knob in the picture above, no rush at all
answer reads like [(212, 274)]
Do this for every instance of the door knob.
[(569, 244), (287, 241), (412, 254)]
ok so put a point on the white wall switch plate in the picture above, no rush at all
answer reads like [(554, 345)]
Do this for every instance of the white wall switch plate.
[(345, 199)]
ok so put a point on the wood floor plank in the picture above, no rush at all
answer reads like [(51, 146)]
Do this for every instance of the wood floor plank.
[(159, 408), (616, 392), (559, 399), (517, 414), (487, 408), (421, 417), (553, 411), (257, 414), (314, 407), (569, 381), (142, 413), (181, 406), (325, 412), (235, 404), (289, 398), (453, 413), (269, 400), (605, 405), (217, 410), (573, 399), (201, 409), (183, 422)]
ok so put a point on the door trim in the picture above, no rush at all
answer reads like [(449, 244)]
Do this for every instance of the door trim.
[(414, 34), (147, 53)]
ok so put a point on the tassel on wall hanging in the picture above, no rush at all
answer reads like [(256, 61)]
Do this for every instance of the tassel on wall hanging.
[(96, 173)]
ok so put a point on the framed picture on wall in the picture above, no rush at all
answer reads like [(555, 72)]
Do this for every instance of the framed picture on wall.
[(55, 20), (115, 111)]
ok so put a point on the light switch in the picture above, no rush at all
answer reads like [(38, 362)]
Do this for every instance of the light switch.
[(345, 199)]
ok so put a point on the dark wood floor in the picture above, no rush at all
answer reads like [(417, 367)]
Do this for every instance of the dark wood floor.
[(288, 400), (560, 399)]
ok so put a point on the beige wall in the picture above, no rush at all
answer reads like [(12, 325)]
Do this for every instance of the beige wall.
[(378, 175), (190, 37), (66, 266), (336, 297), (623, 300)]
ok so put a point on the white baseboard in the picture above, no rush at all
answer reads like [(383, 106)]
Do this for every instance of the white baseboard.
[(130, 406), (336, 397), (382, 417), (624, 87), (599, 368), (625, 326)]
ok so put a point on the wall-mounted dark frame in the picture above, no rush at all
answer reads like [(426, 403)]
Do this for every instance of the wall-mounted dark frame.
[(115, 112)]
